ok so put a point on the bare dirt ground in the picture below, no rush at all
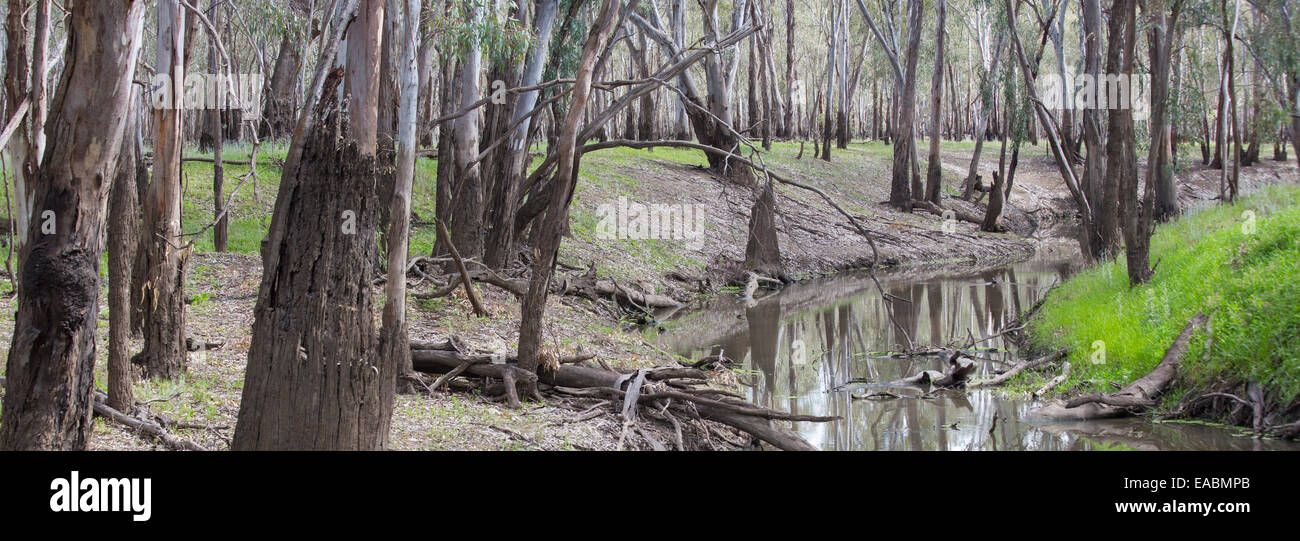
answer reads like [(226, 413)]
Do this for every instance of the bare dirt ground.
[(814, 239)]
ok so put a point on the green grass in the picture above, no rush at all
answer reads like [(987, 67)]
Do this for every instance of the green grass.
[(1214, 262), (250, 210)]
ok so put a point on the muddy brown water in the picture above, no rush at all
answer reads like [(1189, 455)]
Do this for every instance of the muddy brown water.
[(810, 347)]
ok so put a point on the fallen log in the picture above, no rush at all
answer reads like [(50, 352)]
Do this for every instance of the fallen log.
[(1005, 376), (939, 211), (959, 368), (606, 288), (1136, 396)]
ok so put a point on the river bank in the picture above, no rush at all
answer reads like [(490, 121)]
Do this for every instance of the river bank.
[(1236, 264)]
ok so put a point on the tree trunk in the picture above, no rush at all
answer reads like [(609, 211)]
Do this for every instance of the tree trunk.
[(393, 336), (900, 190), (1231, 81), (681, 119), (1160, 158), (547, 240), (763, 249), (159, 272), (123, 235), (21, 152), (50, 369), (934, 167), (511, 158), (828, 124), (789, 68), (466, 222), (1122, 155), (216, 130), (987, 110), (1104, 236), (386, 117), (316, 377)]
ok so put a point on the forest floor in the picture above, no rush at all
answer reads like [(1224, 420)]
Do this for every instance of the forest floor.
[(814, 240)]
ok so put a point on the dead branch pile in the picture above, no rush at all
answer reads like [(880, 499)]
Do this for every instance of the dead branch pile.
[(671, 395)]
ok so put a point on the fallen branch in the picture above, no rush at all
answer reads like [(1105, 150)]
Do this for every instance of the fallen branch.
[(148, 428), (1005, 376), (1065, 374), (460, 266), (939, 211), (959, 368)]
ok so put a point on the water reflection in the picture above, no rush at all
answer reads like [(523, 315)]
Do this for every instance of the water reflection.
[(799, 344)]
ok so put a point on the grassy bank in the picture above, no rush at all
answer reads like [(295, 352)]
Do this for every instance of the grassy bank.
[(1237, 263)]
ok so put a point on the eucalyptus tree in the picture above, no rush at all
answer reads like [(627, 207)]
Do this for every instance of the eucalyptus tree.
[(934, 167), (158, 278), (547, 242), (50, 368), (317, 376), (902, 121), (710, 115)]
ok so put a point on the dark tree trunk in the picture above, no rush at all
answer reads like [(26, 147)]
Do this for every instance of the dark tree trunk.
[(789, 68), (1122, 154), (988, 109), (828, 124), (50, 369), (386, 131), (123, 234), (216, 131), (763, 249), (1104, 236), (448, 92), (279, 114), (934, 168), (317, 378), (646, 122), (1160, 159), (900, 190)]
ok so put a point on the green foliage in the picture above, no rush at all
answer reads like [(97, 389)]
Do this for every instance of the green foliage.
[(501, 38), (1213, 262)]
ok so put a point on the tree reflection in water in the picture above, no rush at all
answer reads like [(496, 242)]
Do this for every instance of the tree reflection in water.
[(795, 346)]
